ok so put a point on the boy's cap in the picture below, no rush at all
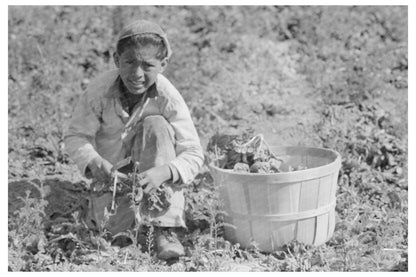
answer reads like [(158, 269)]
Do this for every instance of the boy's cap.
[(145, 27)]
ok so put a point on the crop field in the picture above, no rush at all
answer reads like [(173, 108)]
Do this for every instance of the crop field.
[(319, 76)]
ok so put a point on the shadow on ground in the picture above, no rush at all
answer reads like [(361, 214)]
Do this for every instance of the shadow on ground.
[(64, 197)]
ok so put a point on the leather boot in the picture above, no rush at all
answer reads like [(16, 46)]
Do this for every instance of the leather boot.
[(168, 244)]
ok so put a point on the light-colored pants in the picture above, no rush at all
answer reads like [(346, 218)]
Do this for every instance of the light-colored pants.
[(152, 145)]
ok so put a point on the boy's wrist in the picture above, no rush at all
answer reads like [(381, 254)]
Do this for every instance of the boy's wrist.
[(167, 174), (173, 173)]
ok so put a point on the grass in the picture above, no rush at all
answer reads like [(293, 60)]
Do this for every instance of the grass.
[(332, 77)]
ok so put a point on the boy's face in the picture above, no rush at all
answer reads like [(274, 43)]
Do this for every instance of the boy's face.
[(139, 68)]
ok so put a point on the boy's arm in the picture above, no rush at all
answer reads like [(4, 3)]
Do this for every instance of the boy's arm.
[(80, 134), (189, 153)]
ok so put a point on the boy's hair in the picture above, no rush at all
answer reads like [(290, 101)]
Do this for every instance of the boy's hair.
[(143, 40)]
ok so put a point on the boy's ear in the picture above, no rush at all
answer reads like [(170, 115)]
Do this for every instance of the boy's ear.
[(163, 64), (116, 58)]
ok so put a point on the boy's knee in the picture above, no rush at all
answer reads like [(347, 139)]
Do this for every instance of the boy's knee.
[(156, 124), (154, 120), (155, 146)]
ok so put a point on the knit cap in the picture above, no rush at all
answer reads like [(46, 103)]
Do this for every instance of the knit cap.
[(145, 27)]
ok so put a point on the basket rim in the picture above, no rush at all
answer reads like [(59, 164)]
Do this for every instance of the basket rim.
[(292, 176)]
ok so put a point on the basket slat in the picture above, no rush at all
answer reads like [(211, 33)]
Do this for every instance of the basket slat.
[(325, 190), (238, 202), (283, 232), (321, 233), (322, 221), (285, 199), (308, 195), (306, 230), (258, 199), (331, 223)]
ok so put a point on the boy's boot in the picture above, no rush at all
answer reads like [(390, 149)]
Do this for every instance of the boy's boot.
[(168, 244)]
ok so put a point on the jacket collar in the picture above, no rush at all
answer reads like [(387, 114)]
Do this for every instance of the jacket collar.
[(114, 91)]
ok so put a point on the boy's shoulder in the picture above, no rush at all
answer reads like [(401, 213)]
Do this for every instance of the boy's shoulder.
[(165, 88)]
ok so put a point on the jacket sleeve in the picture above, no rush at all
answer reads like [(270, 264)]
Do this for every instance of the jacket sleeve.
[(189, 154), (79, 137)]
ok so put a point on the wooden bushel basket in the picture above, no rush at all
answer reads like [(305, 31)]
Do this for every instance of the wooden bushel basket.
[(271, 210)]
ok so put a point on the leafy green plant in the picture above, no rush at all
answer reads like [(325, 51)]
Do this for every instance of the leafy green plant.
[(26, 236)]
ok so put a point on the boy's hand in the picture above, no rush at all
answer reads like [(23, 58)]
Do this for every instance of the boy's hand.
[(151, 179), (100, 169)]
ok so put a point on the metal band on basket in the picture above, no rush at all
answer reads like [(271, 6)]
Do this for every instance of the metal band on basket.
[(285, 217)]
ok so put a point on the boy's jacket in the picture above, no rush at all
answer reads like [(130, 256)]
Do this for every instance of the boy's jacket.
[(98, 123)]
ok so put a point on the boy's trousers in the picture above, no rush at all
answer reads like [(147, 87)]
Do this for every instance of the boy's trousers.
[(152, 144)]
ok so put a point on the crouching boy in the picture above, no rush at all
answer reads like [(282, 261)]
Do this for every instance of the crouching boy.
[(134, 111)]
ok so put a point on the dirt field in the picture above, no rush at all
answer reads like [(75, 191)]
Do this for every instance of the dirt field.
[(333, 77)]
